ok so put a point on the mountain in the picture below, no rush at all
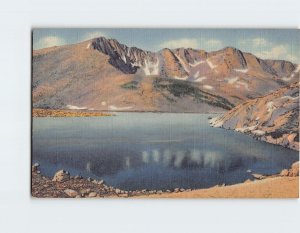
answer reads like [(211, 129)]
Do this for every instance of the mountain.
[(273, 118), (104, 74)]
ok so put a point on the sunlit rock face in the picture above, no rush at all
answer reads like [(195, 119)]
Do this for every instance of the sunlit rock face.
[(273, 118), (104, 70)]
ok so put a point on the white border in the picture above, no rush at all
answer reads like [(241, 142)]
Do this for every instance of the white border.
[(20, 213)]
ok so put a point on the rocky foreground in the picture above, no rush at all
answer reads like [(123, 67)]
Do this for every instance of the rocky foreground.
[(273, 118), (285, 184)]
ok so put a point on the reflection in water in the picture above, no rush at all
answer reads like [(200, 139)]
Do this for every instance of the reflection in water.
[(154, 151)]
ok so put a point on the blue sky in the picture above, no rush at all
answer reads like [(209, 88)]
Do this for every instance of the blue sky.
[(265, 43)]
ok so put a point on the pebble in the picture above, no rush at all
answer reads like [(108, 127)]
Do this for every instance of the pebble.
[(258, 176), (92, 194)]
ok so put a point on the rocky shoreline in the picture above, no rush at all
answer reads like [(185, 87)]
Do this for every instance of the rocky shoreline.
[(67, 186), (39, 112), (273, 118), (286, 140), (63, 185)]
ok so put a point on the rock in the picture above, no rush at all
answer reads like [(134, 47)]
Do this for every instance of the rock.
[(34, 167), (92, 194), (181, 190), (85, 191), (159, 192), (117, 191), (258, 176), (61, 176), (71, 192), (284, 172), (38, 172), (176, 190), (123, 195), (294, 171), (90, 179), (77, 177), (101, 182), (247, 181), (188, 190)]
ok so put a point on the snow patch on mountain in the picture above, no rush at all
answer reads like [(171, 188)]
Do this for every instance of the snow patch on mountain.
[(196, 63), (200, 79), (181, 78), (244, 84), (115, 108), (287, 79), (208, 87), (232, 80), (187, 69), (74, 107), (270, 107), (151, 68), (211, 65), (241, 70)]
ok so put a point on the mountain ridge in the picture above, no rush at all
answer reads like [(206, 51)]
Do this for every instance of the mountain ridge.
[(96, 74)]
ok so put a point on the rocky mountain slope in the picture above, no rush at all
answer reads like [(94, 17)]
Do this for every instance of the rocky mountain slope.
[(273, 118), (103, 74)]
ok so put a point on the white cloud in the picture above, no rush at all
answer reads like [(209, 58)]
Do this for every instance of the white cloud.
[(180, 43), (201, 43), (213, 43), (254, 42), (267, 49), (49, 41), (92, 35), (276, 52)]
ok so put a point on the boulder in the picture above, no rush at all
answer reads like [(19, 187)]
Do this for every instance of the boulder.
[(61, 176), (85, 191), (71, 192), (294, 171), (176, 190), (34, 167), (284, 172), (117, 191)]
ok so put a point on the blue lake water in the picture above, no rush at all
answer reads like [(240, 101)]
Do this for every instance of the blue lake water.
[(153, 151)]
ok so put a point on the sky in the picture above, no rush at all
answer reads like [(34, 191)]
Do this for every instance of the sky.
[(283, 44)]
